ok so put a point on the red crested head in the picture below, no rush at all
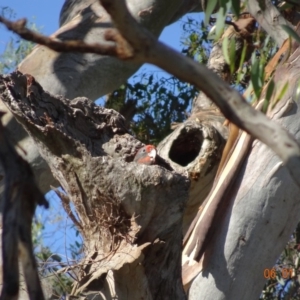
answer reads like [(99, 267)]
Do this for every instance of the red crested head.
[(146, 155)]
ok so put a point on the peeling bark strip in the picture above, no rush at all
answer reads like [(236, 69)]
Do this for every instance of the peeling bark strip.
[(204, 226), (20, 199), (130, 215)]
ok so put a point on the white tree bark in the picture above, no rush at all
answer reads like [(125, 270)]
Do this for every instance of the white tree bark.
[(263, 211)]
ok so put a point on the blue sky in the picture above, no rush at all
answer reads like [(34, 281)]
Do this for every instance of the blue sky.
[(45, 14)]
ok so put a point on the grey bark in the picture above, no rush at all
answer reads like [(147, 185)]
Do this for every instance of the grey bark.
[(268, 16), (262, 213), (194, 148), (130, 215), (74, 74), (224, 287)]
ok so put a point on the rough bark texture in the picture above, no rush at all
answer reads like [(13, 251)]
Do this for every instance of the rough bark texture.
[(73, 75), (129, 215), (131, 204)]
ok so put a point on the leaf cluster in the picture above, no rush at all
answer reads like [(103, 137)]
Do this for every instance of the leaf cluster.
[(151, 104)]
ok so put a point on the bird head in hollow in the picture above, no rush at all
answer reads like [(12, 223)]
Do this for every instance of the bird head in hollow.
[(146, 155)]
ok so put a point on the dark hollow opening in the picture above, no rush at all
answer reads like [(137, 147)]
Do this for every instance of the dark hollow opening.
[(186, 147)]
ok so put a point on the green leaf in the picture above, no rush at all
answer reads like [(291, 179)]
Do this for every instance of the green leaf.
[(281, 94), (243, 54), (223, 3), (56, 257), (270, 90), (242, 60), (232, 48), (211, 5), (255, 78), (291, 32), (235, 4), (269, 93), (228, 47), (225, 49), (220, 25)]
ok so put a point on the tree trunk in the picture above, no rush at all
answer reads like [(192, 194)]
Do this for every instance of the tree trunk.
[(259, 213), (131, 216), (132, 228)]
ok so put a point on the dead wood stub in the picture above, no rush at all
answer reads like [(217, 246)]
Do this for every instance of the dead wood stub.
[(194, 148)]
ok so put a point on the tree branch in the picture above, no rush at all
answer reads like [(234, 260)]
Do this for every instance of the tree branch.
[(21, 198), (19, 27), (230, 102)]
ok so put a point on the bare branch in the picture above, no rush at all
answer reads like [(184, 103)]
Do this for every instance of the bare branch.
[(19, 27)]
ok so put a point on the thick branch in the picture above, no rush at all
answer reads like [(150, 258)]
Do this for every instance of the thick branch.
[(121, 207), (76, 74), (262, 211), (19, 27), (230, 102)]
